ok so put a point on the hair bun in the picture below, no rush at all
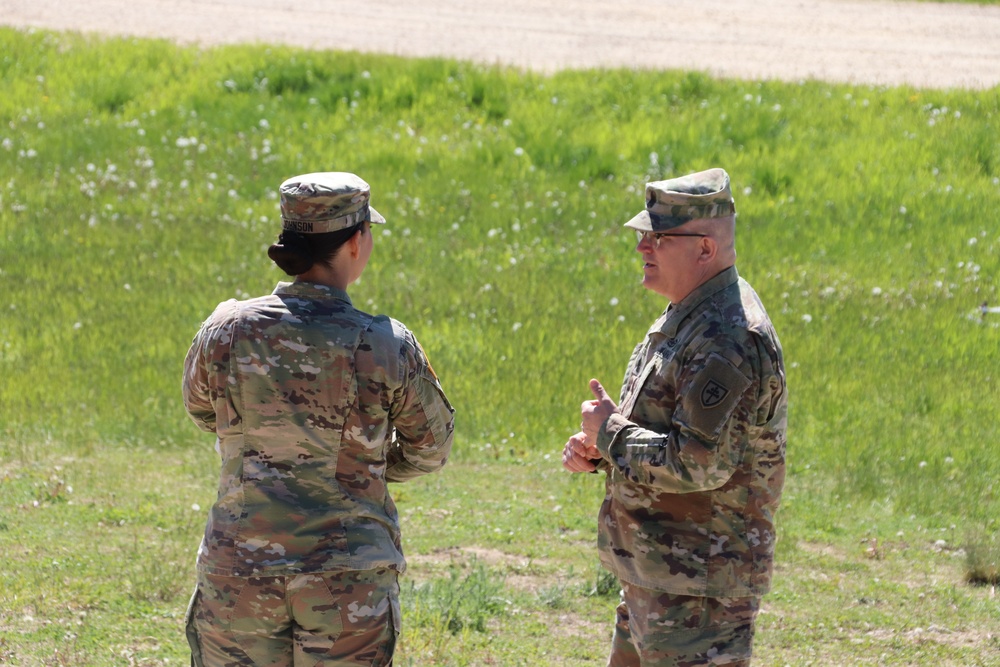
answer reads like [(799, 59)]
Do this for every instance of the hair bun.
[(292, 254)]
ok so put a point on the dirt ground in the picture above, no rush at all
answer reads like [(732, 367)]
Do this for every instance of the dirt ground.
[(858, 41)]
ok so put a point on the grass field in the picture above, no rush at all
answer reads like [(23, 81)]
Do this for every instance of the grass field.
[(138, 189)]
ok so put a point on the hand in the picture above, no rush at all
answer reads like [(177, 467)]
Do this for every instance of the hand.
[(595, 413), (578, 454)]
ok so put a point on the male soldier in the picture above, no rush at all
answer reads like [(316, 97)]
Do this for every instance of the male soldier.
[(694, 452)]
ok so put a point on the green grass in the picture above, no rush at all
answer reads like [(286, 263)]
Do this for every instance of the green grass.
[(137, 189)]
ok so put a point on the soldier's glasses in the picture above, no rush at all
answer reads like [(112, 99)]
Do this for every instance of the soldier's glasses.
[(653, 238)]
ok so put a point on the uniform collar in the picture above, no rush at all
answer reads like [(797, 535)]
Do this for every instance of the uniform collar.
[(306, 290), (676, 313)]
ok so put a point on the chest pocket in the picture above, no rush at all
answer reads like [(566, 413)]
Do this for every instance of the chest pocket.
[(707, 403), (637, 381)]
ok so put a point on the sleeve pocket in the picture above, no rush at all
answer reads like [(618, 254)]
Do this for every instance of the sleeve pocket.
[(712, 396)]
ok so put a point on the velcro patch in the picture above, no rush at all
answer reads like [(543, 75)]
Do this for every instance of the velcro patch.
[(713, 396)]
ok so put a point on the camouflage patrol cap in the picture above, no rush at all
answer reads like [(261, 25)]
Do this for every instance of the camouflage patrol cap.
[(673, 202), (325, 202)]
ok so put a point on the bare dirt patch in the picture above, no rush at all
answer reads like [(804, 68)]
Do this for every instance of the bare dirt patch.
[(935, 634), (463, 556), (519, 572)]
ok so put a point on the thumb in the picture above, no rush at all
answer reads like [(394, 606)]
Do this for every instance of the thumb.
[(598, 390)]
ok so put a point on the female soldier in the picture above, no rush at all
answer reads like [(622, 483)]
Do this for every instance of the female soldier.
[(316, 406)]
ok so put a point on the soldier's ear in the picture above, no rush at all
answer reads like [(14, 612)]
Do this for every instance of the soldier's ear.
[(708, 249), (354, 244)]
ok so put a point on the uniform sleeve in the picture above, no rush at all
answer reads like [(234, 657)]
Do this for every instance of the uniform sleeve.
[(207, 356), (602, 464), (706, 427), (422, 417)]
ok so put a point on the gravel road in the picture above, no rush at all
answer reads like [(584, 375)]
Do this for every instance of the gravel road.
[(923, 44)]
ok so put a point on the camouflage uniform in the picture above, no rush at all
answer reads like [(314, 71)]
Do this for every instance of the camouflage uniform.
[(340, 618), (694, 458), (682, 630), (316, 407)]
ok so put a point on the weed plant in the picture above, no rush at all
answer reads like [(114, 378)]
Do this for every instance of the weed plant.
[(138, 184)]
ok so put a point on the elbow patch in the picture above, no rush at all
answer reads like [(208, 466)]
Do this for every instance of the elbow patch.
[(712, 397)]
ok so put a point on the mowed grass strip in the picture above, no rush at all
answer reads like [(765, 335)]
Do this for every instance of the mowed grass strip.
[(138, 188)]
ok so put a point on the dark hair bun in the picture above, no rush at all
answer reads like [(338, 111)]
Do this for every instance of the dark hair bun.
[(292, 253)]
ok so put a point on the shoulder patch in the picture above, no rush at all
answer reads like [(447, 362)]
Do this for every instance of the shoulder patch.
[(715, 392)]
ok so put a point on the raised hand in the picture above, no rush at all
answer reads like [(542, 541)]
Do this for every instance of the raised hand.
[(595, 413)]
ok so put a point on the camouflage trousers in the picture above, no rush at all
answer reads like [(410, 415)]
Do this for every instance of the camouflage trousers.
[(328, 619), (657, 629)]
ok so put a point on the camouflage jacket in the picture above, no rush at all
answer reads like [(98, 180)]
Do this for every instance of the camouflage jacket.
[(695, 455), (316, 406)]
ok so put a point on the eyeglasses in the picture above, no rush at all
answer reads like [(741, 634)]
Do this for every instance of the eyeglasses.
[(653, 238)]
